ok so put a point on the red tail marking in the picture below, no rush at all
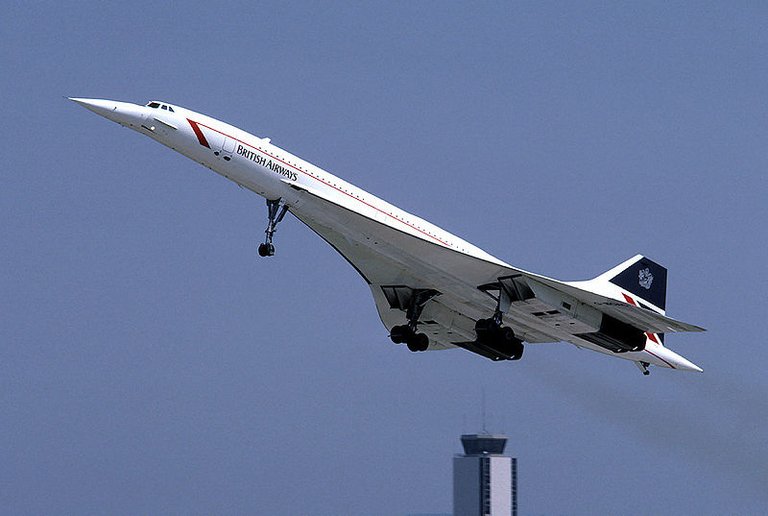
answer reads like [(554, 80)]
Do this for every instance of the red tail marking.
[(648, 334)]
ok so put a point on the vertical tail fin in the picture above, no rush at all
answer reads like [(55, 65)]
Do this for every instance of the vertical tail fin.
[(642, 277)]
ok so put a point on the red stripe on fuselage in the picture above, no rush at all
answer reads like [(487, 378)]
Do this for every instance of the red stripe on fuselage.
[(657, 356)]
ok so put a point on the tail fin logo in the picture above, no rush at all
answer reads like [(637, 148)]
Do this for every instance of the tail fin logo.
[(645, 278)]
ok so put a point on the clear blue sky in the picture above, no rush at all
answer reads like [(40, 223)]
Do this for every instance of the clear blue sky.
[(151, 362)]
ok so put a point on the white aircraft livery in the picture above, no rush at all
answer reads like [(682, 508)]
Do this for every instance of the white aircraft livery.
[(432, 289)]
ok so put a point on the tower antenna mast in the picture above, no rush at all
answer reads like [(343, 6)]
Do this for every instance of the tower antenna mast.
[(482, 403)]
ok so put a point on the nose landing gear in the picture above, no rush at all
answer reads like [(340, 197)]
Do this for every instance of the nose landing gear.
[(276, 210)]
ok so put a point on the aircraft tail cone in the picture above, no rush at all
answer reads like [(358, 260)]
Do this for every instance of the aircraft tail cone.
[(676, 361)]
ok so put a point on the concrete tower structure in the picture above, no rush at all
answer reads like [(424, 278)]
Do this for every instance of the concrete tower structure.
[(484, 479)]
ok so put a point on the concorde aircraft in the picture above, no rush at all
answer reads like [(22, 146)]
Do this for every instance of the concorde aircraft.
[(432, 289)]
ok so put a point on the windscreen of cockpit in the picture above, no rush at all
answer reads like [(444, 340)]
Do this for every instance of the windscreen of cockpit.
[(154, 105)]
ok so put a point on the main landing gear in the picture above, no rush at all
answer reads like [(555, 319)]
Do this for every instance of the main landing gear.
[(500, 339), (408, 333), (495, 341), (276, 210)]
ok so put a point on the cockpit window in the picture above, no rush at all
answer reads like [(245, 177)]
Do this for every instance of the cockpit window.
[(156, 105)]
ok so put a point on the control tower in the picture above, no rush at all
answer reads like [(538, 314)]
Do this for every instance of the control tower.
[(484, 479)]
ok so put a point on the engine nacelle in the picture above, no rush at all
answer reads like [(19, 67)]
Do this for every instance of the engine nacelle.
[(587, 322), (617, 336)]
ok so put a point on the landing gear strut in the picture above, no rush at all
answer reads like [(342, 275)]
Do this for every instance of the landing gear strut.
[(407, 333), (276, 210), (643, 366)]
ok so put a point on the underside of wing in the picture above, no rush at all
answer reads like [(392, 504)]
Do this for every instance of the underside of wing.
[(453, 298), (396, 265)]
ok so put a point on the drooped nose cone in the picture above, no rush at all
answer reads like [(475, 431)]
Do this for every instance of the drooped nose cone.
[(98, 106), (124, 113)]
